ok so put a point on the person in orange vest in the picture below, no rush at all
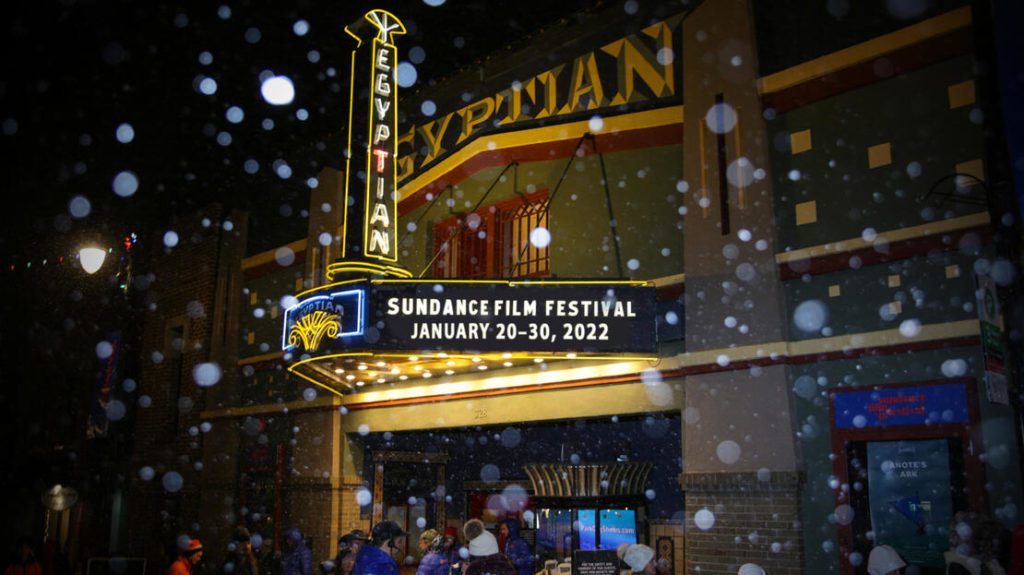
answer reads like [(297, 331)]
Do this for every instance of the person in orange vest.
[(25, 563), (187, 559)]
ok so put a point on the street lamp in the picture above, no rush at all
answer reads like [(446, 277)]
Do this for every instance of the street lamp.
[(92, 259)]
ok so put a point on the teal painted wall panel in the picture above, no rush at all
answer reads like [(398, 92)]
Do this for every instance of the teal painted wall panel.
[(928, 139), (925, 294)]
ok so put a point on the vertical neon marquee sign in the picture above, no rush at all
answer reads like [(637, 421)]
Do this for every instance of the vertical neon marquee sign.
[(379, 238)]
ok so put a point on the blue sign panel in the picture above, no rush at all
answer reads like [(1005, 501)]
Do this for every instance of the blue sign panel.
[(317, 322), (588, 529), (618, 526), (918, 405)]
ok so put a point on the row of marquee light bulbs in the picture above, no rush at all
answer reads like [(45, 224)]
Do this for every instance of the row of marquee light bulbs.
[(378, 371)]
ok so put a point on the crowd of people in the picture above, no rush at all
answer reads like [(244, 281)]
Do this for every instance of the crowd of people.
[(978, 546)]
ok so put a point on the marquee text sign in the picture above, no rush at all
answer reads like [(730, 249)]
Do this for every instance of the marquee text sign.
[(515, 318), (424, 317)]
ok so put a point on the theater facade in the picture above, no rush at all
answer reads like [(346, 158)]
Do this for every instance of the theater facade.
[(711, 279)]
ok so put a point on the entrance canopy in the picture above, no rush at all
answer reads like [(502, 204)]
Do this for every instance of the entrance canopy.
[(350, 334)]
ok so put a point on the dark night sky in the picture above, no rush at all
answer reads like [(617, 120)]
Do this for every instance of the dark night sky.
[(75, 71)]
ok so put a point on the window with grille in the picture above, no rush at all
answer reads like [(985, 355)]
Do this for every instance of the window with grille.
[(494, 241)]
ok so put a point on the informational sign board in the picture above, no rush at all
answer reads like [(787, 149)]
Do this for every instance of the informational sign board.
[(887, 406), (909, 498), (595, 562), (498, 317), (990, 316)]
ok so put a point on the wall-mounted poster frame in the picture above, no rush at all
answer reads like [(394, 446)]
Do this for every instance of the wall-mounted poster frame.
[(920, 410)]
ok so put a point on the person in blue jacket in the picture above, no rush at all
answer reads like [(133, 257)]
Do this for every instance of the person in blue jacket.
[(515, 547), (298, 558), (374, 558)]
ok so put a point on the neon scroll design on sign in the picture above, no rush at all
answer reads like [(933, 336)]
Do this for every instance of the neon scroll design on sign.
[(311, 322), (312, 328)]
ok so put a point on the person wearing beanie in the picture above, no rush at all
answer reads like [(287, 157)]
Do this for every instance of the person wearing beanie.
[(187, 559), (348, 547), (352, 541), (484, 555), (640, 559), (434, 560), (750, 569), (883, 560), (620, 552), (452, 546), (242, 559), (375, 557)]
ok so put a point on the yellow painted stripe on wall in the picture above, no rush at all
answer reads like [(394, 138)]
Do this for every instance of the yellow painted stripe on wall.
[(866, 51), (268, 256), (851, 244)]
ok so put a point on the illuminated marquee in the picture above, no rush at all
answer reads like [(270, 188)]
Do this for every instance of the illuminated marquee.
[(498, 316), (320, 321)]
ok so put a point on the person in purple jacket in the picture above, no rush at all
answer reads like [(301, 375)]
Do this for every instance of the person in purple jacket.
[(298, 559), (434, 560), (515, 547)]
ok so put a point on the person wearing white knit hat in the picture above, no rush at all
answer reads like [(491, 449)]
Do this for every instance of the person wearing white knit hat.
[(640, 559), (750, 569), (884, 560), (485, 557)]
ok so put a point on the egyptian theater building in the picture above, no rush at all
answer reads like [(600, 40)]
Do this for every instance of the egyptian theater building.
[(711, 279)]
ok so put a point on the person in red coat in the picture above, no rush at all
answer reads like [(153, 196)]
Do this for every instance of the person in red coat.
[(26, 563), (187, 560)]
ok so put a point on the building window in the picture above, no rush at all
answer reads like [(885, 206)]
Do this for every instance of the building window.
[(494, 241)]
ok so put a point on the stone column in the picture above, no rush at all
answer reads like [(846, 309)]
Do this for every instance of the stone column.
[(740, 455), (350, 449), (314, 487)]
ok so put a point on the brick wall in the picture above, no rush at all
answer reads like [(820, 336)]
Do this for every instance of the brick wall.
[(187, 295), (754, 518), (351, 517), (309, 507)]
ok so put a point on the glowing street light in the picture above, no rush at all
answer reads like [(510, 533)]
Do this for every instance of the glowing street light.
[(92, 259)]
